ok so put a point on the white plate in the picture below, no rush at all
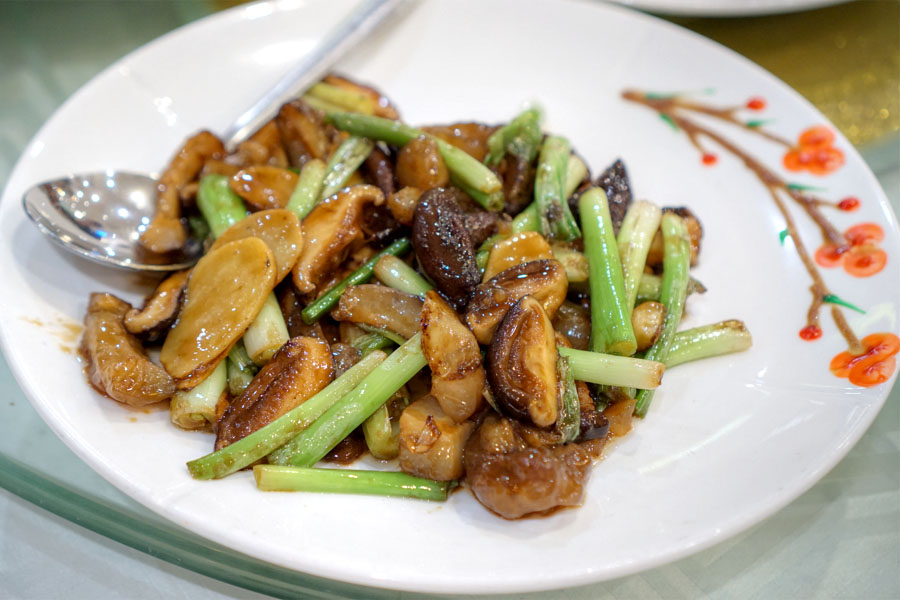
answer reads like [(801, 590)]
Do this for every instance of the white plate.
[(727, 441), (726, 8)]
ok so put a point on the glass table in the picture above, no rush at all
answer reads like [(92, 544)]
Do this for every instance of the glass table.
[(66, 532)]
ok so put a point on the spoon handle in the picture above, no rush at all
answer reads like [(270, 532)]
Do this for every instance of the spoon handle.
[(351, 30)]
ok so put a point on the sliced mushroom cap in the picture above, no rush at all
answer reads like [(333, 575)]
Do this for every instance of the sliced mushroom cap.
[(301, 368), (381, 170), (263, 186), (330, 231), (543, 279), (117, 364), (279, 228), (431, 443), (444, 247), (452, 352), (380, 306), (516, 250), (521, 364), (165, 231), (514, 477), (226, 290), (151, 322)]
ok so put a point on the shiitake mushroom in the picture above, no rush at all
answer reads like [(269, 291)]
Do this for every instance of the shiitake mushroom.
[(521, 364), (444, 247)]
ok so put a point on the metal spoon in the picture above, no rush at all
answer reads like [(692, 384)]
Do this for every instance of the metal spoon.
[(100, 216)]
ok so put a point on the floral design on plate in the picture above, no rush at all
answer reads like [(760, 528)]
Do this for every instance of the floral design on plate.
[(867, 362)]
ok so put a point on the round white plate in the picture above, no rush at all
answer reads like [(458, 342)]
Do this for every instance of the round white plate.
[(726, 8), (727, 442)]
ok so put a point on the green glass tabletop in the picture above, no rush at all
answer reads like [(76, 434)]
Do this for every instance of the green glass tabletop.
[(839, 539)]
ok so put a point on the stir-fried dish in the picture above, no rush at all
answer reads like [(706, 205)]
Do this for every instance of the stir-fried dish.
[(464, 302)]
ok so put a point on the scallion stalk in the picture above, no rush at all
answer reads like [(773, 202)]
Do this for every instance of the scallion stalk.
[(308, 189), (329, 299), (466, 170), (556, 220), (275, 478), (393, 272), (196, 408), (611, 330), (706, 341), (343, 163), (609, 369), (338, 421), (676, 272), (635, 237), (262, 442)]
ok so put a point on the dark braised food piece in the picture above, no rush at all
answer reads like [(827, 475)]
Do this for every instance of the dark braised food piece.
[(444, 246), (305, 134), (543, 279), (153, 320), (302, 367), (117, 364), (521, 364), (330, 232), (514, 475), (518, 183), (574, 321), (614, 181), (452, 352)]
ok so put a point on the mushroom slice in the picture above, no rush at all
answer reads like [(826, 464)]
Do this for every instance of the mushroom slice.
[(431, 443), (165, 232), (279, 228), (514, 475), (457, 377), (263, 186), (330, 230), (152, 321), (226, 290), (543, 279), (117, 364), (299, 369), (521, 364), (516, 250), (444, 247), (380, 306)]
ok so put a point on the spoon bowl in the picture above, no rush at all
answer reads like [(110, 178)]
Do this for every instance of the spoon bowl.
[(100, 216)]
